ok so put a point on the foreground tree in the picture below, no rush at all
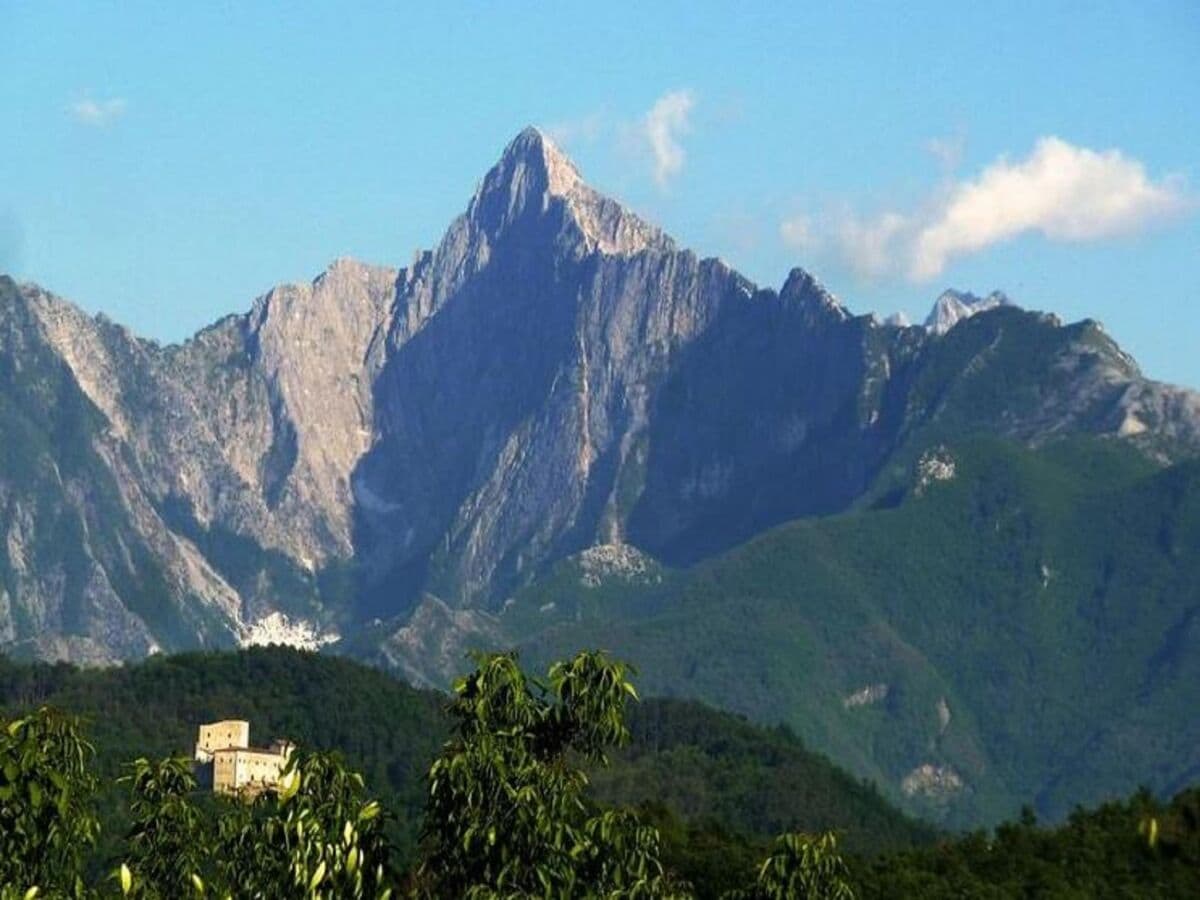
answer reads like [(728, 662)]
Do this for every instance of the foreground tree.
[(48, 820), (323, 840), (316, 837), (803, 867), (169, 842), (506, 814)]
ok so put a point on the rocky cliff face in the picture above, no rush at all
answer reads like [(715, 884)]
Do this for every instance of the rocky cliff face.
[(556, 374)]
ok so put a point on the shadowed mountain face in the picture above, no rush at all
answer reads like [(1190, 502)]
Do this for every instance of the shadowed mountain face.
[(555, 375)]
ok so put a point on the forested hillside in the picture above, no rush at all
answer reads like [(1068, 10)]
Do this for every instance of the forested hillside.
[(704, 765), (1138, 848), (997, 626), (707, 789)]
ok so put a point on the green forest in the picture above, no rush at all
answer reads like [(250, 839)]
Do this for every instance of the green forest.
[(1029, 621), (560, 785)]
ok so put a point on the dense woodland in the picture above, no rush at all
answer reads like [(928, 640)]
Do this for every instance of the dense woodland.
[(1046, 596), (700, 793), (705, 764)]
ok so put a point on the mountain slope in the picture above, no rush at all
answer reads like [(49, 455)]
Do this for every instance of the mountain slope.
[(85, 569), (1015, 626)]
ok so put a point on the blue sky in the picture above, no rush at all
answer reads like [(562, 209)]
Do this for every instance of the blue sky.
[(165, 165)]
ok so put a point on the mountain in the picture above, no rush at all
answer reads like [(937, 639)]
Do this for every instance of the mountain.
[(382, 460)]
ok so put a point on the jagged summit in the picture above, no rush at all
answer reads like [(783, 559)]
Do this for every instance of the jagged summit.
[(532, 175), (953, 306), (802, 287), (532, 148), (530, 171)]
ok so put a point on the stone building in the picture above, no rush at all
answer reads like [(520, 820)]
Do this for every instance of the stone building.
[(230, 765)]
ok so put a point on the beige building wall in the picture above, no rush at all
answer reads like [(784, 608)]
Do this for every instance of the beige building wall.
[(243, 770), (224, 763), (236, 766), (221, 735)]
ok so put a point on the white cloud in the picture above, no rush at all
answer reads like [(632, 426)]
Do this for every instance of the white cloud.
[(98, 113), (652, 140), (662, 127), (1066, 193), (1060, 191)]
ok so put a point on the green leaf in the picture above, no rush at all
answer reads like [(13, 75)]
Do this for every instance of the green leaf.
[(369, 812), (289, 785), (317, 878)]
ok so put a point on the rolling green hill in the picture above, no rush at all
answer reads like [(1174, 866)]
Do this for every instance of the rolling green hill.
[(715, 785), (702, 764), (997, 625)]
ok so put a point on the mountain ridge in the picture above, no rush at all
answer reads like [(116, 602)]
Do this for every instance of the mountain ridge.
[(319, 436)]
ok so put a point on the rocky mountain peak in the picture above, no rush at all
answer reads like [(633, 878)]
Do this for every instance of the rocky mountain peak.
[(530, 172), (803, 289), (532, 176), (555, 375), (533, 150), (953, 306), (347, 289)]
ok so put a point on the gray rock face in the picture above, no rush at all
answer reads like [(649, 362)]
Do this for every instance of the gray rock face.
[(556, 374)]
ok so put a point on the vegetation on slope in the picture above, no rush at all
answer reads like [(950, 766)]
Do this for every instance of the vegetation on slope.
[(1140, 848), (713, 767), (504, 813), (760, 782), (1026, 630)]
